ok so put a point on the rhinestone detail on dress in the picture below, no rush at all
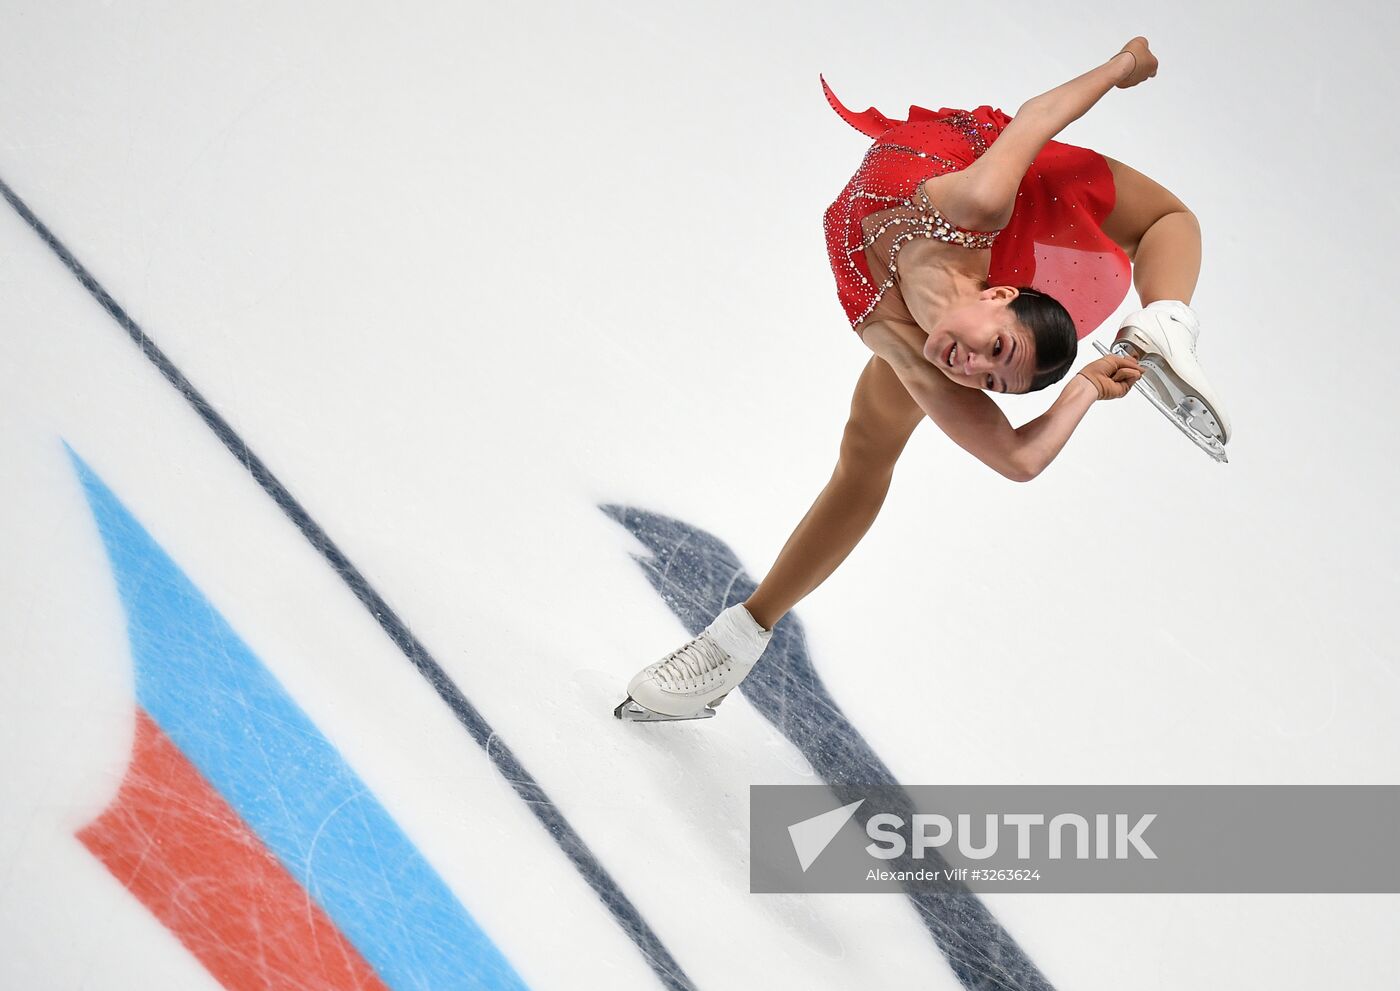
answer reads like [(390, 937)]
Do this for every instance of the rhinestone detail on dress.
[(919, 218), (912, 215)]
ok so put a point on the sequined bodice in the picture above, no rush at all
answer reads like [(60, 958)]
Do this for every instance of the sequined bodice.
[(1053, 243), (888, 230), (886, 205)]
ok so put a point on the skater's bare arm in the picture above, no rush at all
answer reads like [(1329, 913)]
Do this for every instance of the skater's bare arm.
[(985, 192), (970, 417)]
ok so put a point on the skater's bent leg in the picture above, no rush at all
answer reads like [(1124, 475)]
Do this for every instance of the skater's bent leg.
[(1168, 258), (1157, 232), (882, 418)]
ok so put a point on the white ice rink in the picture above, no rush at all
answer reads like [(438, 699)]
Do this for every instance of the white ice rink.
[(517, 302)]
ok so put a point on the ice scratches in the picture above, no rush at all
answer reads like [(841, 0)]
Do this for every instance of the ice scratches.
[(588, 867), (697, 575)]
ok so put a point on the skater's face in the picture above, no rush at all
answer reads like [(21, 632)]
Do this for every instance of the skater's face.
[(982, 345)]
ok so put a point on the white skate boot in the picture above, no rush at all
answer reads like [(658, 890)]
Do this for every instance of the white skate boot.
[(691, 680), (1162, 337)]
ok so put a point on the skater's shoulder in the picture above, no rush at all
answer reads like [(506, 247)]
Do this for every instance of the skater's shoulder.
[(896, 341)]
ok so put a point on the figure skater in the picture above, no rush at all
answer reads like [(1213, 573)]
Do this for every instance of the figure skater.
[(971, 253)]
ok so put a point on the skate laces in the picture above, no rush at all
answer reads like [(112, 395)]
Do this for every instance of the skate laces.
[(687, 665)]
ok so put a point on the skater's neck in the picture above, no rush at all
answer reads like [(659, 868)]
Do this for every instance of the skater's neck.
[(940, 285)]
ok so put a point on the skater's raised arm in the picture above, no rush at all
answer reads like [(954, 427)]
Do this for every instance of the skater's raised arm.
[(974, 422), (1072, 100), (985, 191)]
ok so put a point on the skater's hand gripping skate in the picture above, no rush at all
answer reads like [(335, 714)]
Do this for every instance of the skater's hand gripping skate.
[(1144, 63), (1112, 375)]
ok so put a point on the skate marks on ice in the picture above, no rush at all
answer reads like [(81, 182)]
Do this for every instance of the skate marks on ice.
[(242, 828), (558, 828), (697, 575)]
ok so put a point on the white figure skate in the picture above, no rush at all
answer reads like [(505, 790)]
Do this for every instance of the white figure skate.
[(1162, 337), (691, 680)]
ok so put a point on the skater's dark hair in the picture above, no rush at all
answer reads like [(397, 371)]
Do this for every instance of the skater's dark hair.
[(1052, 328)]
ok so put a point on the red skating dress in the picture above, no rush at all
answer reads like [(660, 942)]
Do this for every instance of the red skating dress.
[(1054, 241)]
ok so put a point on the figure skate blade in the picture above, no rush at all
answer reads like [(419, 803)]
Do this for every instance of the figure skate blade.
[(1191, 416), (633, 711)]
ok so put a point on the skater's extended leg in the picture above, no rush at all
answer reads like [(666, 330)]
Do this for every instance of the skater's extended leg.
[(690, 681), (1160, 235), (883, 415)]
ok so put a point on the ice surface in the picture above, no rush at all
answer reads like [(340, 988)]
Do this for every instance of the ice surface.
[(462, 277)]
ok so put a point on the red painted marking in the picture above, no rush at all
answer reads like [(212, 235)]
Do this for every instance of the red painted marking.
[(185, 853)]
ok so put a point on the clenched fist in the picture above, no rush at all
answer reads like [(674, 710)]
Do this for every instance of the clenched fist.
[(1113, 375), (1143, 61)]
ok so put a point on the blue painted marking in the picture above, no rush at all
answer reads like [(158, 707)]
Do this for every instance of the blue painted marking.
[(220, 705), (492, 743)]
